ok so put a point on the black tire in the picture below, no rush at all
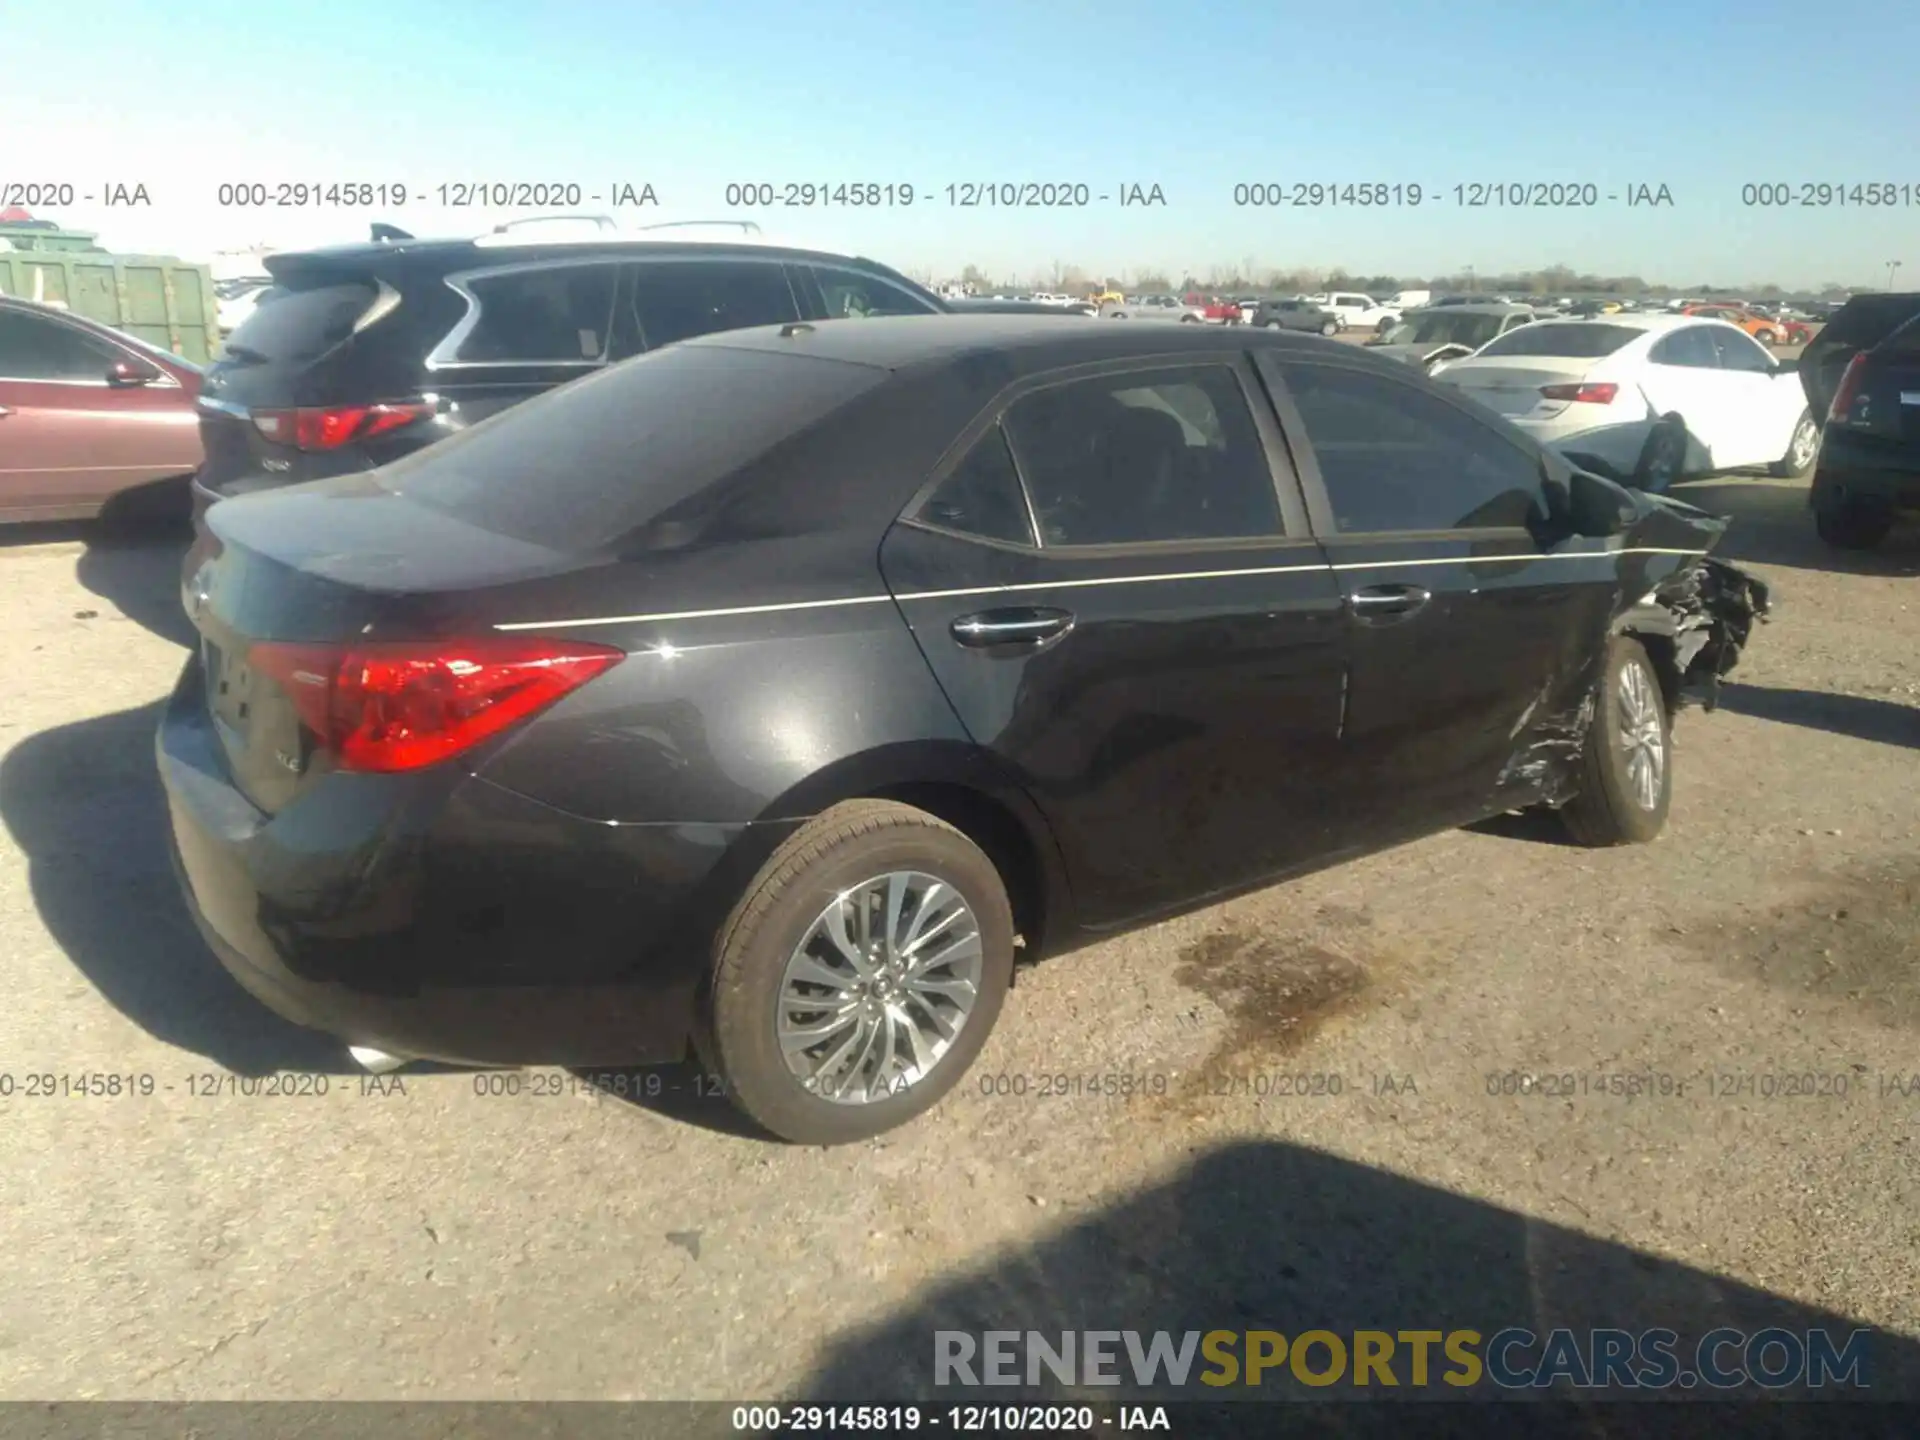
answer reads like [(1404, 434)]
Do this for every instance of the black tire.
[(1332, 327), (1189, 319), (1789, 468), (1608, 810), (1850, 524), (1663, 457), (835, 851), (1765, 337)]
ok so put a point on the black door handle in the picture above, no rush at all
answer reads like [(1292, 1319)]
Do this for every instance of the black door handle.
[(1381, 602), (1026, 627)]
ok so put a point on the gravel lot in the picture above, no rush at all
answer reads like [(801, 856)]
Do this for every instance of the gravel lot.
[(441, 1243)]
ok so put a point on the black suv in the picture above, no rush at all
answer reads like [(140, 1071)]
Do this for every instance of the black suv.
[(1862, 373), (363, 353)]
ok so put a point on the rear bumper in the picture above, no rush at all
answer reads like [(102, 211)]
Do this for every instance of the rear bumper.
[(440, 916), (1854, 470)]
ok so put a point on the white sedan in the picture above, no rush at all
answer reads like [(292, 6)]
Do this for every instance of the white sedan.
[(1657, 397)]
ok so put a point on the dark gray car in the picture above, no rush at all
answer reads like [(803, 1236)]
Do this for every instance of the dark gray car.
[(1429, 337), (1296, 315)]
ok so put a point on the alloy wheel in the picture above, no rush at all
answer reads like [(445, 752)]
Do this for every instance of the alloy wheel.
[(879, 987), (1642, 735), (1806, 440)]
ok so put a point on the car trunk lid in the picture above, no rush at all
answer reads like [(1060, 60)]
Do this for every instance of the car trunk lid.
[(1514, 388)]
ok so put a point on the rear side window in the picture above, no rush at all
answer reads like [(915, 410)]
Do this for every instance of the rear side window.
[(677, 300), (556, 314), (983, 495), (587, 464), (292, 325), (1396, 458), (1575, 341), (1144, 456)]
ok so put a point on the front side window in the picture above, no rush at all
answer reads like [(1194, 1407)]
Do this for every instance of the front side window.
[(32, 348), (850, 295), (1144, 456), (1738, 352), (1393, 457), (1691, 348), (558, 314), (679, 299)]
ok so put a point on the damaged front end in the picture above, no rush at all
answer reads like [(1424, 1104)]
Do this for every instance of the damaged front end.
[(1692, 613)]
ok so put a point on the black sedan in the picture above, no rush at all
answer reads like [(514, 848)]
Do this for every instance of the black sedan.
[(766, 693)]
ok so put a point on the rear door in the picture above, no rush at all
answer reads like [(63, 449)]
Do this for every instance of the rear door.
[(1112, 578), (1466, 636), (1683, 376), (68, 438)]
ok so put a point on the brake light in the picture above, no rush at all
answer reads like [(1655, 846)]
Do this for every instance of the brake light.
[(1582, 394), (315, 428), (394, 706), (1850, 379)]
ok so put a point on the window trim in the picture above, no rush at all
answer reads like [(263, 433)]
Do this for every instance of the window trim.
[(167, 381), (915, 513), (444, 355), (631, 267), (1313, 485), (1291, 506)]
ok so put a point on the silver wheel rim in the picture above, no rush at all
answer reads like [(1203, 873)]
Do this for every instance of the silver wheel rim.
[(1641, 736), (1805, 438), (879, 988)]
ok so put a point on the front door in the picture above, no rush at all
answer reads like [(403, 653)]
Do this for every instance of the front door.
[(1467, 637), (1123, 605)]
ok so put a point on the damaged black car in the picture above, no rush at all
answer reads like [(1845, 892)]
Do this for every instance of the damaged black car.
[(763, 696)]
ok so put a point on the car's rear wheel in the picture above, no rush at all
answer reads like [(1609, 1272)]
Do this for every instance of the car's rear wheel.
[(859, 977), (1189, 319), (1330, 328), (1626, 771), (1662, 457), (1765, 337), (1850, 524), (1801, 448)]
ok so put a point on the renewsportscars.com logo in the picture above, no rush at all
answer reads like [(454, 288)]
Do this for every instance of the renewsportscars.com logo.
[(1509, 1359)]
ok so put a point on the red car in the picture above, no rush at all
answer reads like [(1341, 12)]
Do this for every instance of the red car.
[(87, 414), (1217, 309)]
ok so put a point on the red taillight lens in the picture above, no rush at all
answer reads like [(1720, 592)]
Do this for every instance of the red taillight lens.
[(1849, 387), (311, 428), (402, 706), (1582, 394)]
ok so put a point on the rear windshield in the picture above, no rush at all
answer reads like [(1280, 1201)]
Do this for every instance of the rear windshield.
[(290, 326), (586, 465), (1576, 341), (1868, 319)]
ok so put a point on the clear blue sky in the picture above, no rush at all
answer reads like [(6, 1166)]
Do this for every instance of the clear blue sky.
[(1698, 95)]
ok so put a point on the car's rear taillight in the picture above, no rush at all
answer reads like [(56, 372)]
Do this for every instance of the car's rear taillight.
[(328, 428), (1850, 379), (394, 706), (1582, 394)]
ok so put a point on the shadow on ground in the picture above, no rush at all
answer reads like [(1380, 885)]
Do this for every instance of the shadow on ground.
[(1886, 721), (83, 802), (1271, 1236), (1773, 526), (133, 565)]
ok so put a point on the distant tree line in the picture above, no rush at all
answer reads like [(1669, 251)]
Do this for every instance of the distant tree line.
[(1249, 277)]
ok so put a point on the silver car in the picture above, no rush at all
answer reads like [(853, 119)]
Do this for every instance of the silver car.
[(1154, 307), (1431, 337)]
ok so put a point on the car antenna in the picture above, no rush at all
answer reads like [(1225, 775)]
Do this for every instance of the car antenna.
[(384, 232)]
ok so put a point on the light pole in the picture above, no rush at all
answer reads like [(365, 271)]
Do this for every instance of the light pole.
[(1473, 285), (1892, 266)]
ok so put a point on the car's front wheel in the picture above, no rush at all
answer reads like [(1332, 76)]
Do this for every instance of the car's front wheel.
[(1332, 327), (1801, 448), (1765, 337), (1626, 770), (859, 977)]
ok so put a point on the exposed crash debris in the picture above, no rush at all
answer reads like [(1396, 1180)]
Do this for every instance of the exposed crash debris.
[(1714, 606)]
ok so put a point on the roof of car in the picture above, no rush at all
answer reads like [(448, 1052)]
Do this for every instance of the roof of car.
[(1644, 320), (1038, 341), (1490, 308), (453, 253)]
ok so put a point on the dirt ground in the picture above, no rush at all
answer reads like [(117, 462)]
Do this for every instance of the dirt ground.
[(434, 1242)]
